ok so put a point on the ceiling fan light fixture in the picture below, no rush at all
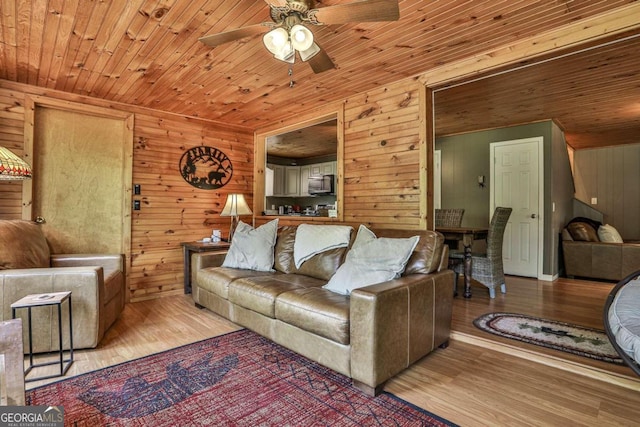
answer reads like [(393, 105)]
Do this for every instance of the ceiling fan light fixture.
[(286, 53), (306, 55), (301, 37), (275, 40)]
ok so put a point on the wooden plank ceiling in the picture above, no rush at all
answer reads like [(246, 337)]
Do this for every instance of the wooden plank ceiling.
[(147, 53)]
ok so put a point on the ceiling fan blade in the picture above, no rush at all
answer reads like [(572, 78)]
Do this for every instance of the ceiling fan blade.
[(214, 40), (321, 62), (359, 11)]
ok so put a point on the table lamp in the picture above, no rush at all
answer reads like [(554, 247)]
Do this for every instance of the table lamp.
[(236, 205)]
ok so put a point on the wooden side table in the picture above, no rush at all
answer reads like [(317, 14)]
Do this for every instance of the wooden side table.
[(42, 300), (196, 247)]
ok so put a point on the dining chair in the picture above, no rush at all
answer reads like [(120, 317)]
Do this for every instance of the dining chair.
[(449, 217), (487, 268)]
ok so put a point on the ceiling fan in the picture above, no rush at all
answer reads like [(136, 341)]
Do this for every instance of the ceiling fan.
[(288, 34)]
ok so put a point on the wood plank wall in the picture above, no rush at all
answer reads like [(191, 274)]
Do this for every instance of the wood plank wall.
[(11, 137), (172, 211), (611, 176), (384, 158), (384, 153)]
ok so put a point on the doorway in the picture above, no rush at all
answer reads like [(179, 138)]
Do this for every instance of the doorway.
[(81, 191), (517, 181)]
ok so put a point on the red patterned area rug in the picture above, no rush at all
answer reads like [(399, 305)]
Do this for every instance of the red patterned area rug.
[(237, 379)]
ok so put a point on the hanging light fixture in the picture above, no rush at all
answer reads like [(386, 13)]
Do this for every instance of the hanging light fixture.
[(13, 167), (301, 37), (284, 42)]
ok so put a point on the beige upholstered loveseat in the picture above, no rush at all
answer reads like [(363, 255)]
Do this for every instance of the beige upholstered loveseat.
[(27, 267), (370, 335)]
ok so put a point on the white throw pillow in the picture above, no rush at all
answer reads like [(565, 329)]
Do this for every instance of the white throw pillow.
[(607, 233), (371, 260), (252, 249)]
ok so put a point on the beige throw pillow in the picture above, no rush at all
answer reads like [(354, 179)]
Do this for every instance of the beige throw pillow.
[(371, 260), (607, 233), (252, 249)]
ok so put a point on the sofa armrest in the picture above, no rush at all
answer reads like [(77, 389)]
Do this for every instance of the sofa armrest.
[(86, 286), (395, 323), (110, 263), (200, 260)]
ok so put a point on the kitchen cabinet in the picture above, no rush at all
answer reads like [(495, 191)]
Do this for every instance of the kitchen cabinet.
[(291, 181), (319, 169), (304, 180), (276, 174)]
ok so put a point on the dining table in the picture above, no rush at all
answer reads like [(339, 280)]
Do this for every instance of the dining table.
[(466, 235)]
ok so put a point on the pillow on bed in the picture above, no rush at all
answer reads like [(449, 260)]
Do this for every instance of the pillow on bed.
[(371, 260), (252, 249)]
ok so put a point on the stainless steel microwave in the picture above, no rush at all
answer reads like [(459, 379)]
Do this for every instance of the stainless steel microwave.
[(322, 185)]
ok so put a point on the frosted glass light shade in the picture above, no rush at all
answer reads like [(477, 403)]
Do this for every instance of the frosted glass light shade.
[(275, 40), (301, 37), (306, 55), (286, 54)]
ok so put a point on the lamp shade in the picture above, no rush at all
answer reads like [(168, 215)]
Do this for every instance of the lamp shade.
[(236, 205), (13, 167), (275, 40), (301, 37), (286, 54), (306, 55)]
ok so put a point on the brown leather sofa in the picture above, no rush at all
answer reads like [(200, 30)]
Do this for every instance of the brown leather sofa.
[(370, 336), (587, 257), (97, 283)]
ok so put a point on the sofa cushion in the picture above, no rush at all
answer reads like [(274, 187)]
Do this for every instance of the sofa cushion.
[(321, 266), (608, 233), (283, 257), (314, 239), (217, 279), (252, 248), (316, 310), (582, 232), (426, 255), (23, 245), (259, 293), (624, 319), (372, 260)]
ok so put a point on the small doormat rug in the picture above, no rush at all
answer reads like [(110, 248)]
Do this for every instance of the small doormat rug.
[(587, 342), (237, 379)]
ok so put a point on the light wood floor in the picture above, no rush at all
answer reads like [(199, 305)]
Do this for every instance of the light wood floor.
[(479, 380)]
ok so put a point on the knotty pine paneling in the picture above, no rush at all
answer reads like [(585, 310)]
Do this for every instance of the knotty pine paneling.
[(382, 157), (172, 211), (11, 137)]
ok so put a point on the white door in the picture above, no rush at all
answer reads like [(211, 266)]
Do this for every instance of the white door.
[(516, 182)]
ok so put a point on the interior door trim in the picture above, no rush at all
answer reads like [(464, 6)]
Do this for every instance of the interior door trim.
[(34, 101), (539, 140)]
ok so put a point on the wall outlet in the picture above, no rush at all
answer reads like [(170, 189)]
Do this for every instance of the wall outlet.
[(594, 200)]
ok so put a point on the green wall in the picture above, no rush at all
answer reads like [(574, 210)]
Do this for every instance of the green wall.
[(466, 156)]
